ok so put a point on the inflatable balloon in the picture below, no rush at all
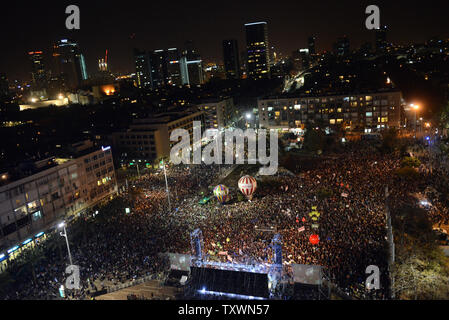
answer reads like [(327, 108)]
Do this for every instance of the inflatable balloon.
[(247, 186), (314, 239), (221, 192)]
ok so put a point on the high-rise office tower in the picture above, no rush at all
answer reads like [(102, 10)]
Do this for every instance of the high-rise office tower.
[(143, 69), (191, 71), (341, 47), (195, 68), (311, 44), (231, 59), (301, 59), (381, 39), (159, 72), (70, 63), (173, 67), (38, 73), (258, 66), (305, 58), (191, 66)]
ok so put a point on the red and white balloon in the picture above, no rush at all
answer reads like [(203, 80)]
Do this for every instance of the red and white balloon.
[(248, 186)]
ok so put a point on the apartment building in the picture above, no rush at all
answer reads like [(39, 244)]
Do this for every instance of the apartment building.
[(59, 188), (149, 139), (368, 111), (218, 113)]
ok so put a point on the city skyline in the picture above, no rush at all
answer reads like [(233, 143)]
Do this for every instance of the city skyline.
[(258, 151), (141, 29)]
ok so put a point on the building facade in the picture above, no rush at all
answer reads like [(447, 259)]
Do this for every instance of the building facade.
[(64, 188), (191, 71), (381, 39), (341, 47), (173, 67), (258, 63), (38, 73), (231, 59), (218, 113), (311, 45), (70, 63), (364, 111), (159, 72), (149, 139), (143, 69)]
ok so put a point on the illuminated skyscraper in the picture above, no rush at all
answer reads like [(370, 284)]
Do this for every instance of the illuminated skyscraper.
[(38, 73), (173, 67), (341, 47), (159, 72), (191, 66), (143, 69), (258, 66), (191, 71), (70, 63), (231, 59), (381, 39), (301, 59), (311, 44)]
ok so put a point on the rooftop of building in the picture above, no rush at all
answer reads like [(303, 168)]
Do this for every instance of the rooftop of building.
[(173, 114), (31, 167), (330, 94), (212, 100)]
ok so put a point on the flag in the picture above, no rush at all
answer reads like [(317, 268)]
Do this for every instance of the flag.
[(301, 229)]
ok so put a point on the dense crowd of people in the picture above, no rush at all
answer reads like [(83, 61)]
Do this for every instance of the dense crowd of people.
[(348, 191)]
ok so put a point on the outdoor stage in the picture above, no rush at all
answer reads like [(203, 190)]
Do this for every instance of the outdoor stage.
[(243, 281)]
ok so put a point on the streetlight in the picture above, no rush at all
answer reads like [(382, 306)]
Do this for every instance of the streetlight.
[(166, 185), (415, 107), (64, 234), (248, 117)]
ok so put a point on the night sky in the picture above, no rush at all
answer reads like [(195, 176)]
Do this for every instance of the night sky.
[(27, 26)]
